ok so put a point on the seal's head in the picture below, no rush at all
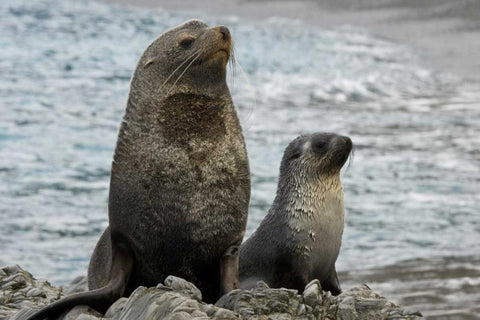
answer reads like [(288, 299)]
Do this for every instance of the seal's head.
[(318, 154), (189, 58)]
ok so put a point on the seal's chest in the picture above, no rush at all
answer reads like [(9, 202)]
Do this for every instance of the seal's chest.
[(318, 225), (187, 117)]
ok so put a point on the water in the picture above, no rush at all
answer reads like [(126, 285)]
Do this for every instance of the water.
[(411, 192)]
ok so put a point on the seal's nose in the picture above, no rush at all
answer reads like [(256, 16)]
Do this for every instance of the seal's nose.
[(341, 142), (225, 32), (348, 141)]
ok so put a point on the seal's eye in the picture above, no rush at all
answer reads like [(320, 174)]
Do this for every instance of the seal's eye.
[(320, 145), (186, 43)]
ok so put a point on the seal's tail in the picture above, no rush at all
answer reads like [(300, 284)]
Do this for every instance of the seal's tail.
[(99, 299)]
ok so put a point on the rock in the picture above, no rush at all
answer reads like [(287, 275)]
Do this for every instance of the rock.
[(20, 315), (262, 301), (18, 289), (79, 284), (35, 292), (178, 299), (183, 286), (364, 304), (116, 308), (158, 303), (312, 294), (81, 312), (346, 309)]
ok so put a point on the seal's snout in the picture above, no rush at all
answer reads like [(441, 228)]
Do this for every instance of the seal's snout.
[(219, 45), (341, 148), (225, 32), (348, 142), (341, 142)]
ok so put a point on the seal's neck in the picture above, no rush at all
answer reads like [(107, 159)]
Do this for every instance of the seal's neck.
[(179, 120), (307, 197), (142, 102), (209, 82)]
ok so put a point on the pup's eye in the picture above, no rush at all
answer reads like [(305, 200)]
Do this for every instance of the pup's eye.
[(186, 43), (320, 144)]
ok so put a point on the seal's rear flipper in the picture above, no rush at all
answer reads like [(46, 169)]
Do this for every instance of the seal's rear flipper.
[(99, 299), (331, 283), (229, 270)]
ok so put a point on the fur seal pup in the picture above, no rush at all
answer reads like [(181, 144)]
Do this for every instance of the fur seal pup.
[(180, 180), (299, 239)]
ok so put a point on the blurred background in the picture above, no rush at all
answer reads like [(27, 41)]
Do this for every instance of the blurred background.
[(401, 78)]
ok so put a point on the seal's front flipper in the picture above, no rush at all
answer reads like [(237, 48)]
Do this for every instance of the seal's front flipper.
[(229, 270), (99, 299), (331, 283)]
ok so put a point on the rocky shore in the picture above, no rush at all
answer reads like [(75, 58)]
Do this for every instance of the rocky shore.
[(178, 299)]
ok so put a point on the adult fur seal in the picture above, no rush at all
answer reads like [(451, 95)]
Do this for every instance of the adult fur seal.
[(300, 237), (180, 182)]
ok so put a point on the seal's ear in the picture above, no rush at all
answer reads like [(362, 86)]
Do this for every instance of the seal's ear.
[(148, 63)]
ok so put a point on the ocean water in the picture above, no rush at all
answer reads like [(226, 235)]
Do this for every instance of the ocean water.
[(412, 191)]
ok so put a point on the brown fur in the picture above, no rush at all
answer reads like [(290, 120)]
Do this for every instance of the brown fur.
[(180, 183)]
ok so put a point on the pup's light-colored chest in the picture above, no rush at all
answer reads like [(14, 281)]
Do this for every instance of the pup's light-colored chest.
[(316, 218)]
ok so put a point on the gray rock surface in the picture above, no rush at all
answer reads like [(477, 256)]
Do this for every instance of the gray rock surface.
[(18, 289), (177, 299)]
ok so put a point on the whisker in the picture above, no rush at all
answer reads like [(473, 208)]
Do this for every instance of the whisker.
[(231, 63), (188, 66), (181, 64), (250, 87), (350, 158)]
